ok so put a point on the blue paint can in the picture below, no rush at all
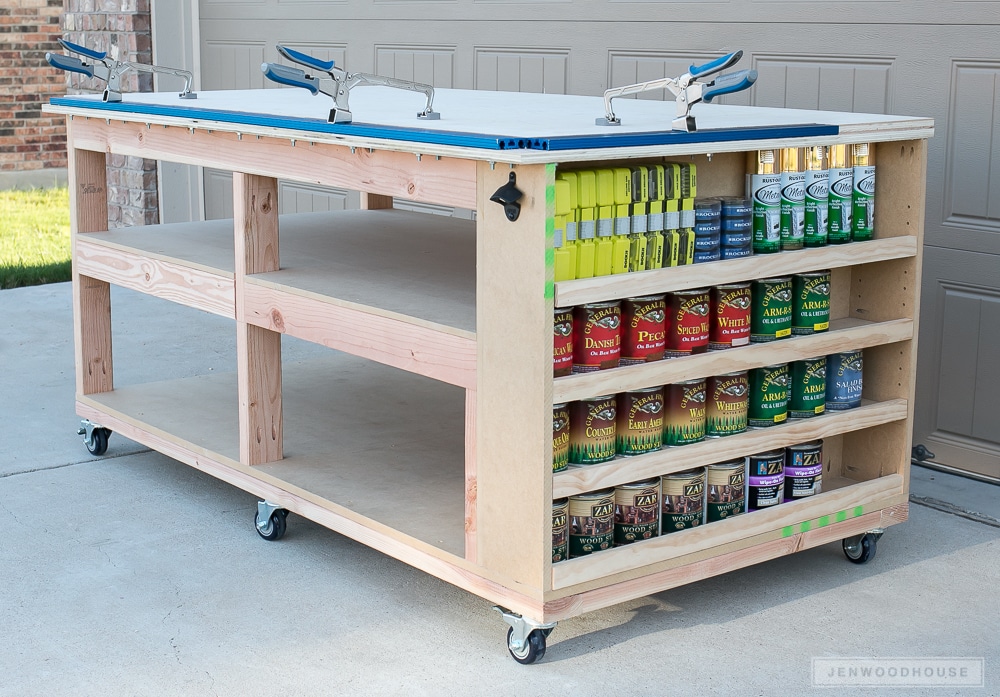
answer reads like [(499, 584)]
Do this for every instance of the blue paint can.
[(843, 380)]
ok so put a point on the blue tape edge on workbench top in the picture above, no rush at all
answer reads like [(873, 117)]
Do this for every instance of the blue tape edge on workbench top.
[(456, 138)]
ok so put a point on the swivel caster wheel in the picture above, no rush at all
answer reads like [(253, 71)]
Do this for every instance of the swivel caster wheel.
[(861, 548), (270, 521), (531, 650), (94, 437)]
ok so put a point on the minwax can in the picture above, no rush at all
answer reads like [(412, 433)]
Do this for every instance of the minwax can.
[(597, 336), (644, 329), (730, 316), (591, 522), (793, 198), (640, 421), (841, 194), (844, 380), (817, 195), (560, 437), (562, 341), (765, 192), (768, 402), (592, 430), (560, 530), (803, 470), (684, 412), (863, 193), (811, 302), (688, 321), (726, 401), (807, 391), (726, 489), (771, 311), (765, 479), (637, 511), (682, 497)]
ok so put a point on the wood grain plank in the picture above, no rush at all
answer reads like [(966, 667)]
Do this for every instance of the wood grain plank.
[(471, 482)]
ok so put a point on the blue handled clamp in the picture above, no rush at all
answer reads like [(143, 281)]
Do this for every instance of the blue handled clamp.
[(337, 83), (688, 89), (111, 70)]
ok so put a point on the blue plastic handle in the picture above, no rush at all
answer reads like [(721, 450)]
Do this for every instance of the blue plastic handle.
[(83, 50), (74, 65), (290, 76), (716, 65), (304, 59), (727, 84)]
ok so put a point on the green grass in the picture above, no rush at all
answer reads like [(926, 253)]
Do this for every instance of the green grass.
[(34, 237)]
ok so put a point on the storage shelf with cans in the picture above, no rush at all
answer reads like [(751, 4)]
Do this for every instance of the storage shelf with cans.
[(426, 433)]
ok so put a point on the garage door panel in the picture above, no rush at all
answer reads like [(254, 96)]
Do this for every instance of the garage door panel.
[(427, 64), (232, 65), (972, 188), (837, 83)]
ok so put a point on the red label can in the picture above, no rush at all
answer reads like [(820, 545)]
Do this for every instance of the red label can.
[(597, 336), (730, 325), (562, 341), (688, 320), (644, 329)]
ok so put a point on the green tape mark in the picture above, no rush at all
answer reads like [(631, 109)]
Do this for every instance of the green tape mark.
[(788, 531), (824, 521), (858, 510), (550, 228), (806, 526), (841, 516), (550, 257), (550, 290)]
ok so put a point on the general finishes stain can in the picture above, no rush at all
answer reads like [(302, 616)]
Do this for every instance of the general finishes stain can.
[(811, 302), (844, 379), (684, 412), (640, 421), (726, 489), (730, 316), (771, 312), (803, 470), (560, 530), (768, 404), (807, 392), (560, 437), (688, 321), (597, 336), (592, 430), (644, 329), (562, 341), (683, 500), (765, 479), (637, 511), (726, 401), (591, 522)]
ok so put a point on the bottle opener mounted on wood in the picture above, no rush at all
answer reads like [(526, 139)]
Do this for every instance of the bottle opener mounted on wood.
[(337, 83), (688, 90), (111, 70)]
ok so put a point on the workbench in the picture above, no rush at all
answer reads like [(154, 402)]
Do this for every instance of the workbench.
[(427, 431)]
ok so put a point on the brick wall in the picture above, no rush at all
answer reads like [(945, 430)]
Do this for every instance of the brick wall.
[(122, 29), (30, 141)]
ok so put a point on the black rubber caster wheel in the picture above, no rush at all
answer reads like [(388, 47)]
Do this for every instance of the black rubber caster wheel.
[(533, 649), (275, 528), (98, 443), (861, 549)]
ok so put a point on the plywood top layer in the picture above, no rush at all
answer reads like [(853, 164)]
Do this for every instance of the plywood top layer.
[(502, 126)]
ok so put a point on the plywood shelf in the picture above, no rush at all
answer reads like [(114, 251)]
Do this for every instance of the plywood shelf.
[(590, 290), (621, 470), (846, 334)]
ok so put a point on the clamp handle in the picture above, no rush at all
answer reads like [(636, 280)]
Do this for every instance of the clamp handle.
[(305, 59), (69, 63), (727, 84), (286, 75), (715, 66), (82, 50)]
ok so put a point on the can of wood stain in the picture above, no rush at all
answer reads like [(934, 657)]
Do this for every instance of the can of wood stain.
[(560, 437), (560, 530), (726, 402), (684, 412), (644, 329), (640, 421), (688, 322), (765, 479), (771, 311), (768, 403), (807, 391), (591, 522), (811, 302), (726, 489), (844, 379), (730, 316), (597, 337), (682, 497), (637, 511), (592, 430), (803, 470), (562, 341)]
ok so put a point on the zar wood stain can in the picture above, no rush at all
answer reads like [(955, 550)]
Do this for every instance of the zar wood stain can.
[(765, 479), (768, 403), (637, 511), (811, 302), (597, 337), (640, 421), (771, 312), (803, 470), (644, 329), (592, 430), (562, 341), (560, 437), (726, 401), (682, 497), (688, 321), (726, 489), (730, 316), (560, 530), (591, 522), (684, 412), (844, 373), (807, 391)]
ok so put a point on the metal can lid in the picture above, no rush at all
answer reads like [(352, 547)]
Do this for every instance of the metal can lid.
[(560, 405), (693, 291), (776, 279), (646, 298), (560, 503), (644, 390), (728, 464), (599, 399), (601, 305), (689, 474), (594, 495), (779, 452), (814, 274), (693, 381), (732, 286), (730, 375), (645, 484), (561, 310), (807, 446)]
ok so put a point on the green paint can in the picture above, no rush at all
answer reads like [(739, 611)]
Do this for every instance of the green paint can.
[(807, 390), (771, 311), (811, 302), (765, 192), (768, 403), (863, 196), (840, 195)]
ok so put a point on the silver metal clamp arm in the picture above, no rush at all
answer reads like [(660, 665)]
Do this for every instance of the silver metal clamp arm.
[(352, 80), (163, 70)]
